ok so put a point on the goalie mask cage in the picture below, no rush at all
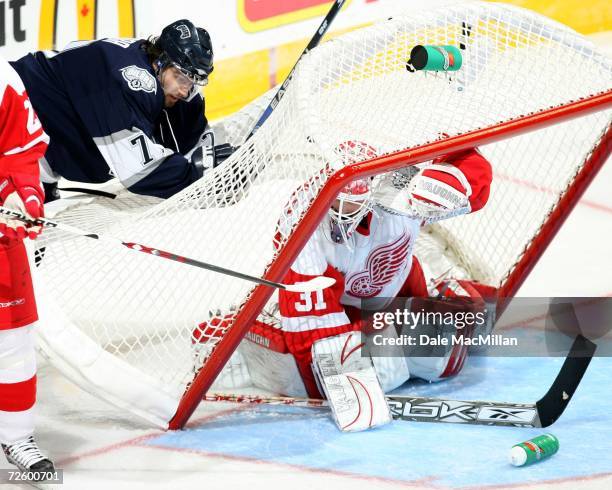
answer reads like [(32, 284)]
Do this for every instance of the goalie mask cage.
[(533, 95)]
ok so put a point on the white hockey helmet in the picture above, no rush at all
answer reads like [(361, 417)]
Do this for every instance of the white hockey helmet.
[(350, 207), (354, 201)]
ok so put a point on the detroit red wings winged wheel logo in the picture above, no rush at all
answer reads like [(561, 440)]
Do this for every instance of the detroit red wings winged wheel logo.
[(382, 266)]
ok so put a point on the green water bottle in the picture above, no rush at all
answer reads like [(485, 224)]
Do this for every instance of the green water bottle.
[(435, 58), (534, 450)]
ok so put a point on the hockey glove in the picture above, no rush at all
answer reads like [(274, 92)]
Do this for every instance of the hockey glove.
[(24, 193), (223, 152), (439, 190), (207, 155)]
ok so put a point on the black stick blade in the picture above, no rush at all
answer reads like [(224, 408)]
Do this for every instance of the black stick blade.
[(553, 403)]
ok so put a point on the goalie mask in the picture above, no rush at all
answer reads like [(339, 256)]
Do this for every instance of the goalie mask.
[(352, 205), (189, 50)]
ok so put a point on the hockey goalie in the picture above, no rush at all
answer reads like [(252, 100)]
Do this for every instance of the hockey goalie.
[(310, 343)]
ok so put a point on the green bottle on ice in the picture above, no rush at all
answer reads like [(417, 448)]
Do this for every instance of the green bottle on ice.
[(534, 450)]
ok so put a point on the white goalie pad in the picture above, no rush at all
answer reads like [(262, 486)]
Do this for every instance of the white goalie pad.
[(263, 360), (428, 368), (392, 369), (350, 383), (272, 370), (264, 356), (235, 374)]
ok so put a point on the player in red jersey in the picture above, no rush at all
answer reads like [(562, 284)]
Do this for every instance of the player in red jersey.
[(22, 143)]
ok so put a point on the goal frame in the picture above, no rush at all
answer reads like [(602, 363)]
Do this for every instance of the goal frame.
[(278, 268)]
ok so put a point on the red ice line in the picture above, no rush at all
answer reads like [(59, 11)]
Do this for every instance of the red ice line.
[(134, 441), (525, 321), (585, 202)]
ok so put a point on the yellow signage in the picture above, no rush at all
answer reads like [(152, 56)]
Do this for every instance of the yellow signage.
[(127, 22), (48, 19), (86, 19)]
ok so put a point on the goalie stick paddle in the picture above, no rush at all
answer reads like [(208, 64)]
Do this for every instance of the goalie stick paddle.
[(300, 287), (316, 39), (543, 413)]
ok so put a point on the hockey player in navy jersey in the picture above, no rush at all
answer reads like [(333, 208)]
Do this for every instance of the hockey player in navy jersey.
[(124, 108)]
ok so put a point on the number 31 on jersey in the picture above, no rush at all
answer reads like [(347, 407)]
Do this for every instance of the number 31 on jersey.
[(306, 301)]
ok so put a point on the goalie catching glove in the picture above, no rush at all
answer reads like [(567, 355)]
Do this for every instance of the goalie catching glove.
[(451, 185), (23, 193), (439, 190)]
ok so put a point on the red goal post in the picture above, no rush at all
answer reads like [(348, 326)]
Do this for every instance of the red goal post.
[(320, 206)]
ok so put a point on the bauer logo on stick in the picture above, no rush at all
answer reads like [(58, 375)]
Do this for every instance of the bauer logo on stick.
[(434, 58)]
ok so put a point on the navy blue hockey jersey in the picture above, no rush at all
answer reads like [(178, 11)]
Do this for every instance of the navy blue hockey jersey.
[(103, 108)]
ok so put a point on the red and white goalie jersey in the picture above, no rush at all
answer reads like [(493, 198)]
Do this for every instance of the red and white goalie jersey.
[(375, 262)]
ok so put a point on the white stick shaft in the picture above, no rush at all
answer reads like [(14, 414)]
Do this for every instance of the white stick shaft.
[(309, 286)]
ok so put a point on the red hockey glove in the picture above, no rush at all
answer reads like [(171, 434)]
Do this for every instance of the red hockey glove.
[(24, 193)]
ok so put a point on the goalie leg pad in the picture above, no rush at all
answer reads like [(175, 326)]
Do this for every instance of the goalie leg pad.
[(271, 365), (392, 371), (350, 383), (459, 296), (235, 373)]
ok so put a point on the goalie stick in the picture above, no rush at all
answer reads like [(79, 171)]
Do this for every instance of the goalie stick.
[(315, 284), (316, 39), (543, 413)]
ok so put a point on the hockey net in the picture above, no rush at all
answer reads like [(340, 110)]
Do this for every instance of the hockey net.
[(121, 323)]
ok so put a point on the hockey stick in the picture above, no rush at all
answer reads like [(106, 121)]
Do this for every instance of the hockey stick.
[(335, 8), (543, 413), (90, 192), (315, 284), (466, 31)]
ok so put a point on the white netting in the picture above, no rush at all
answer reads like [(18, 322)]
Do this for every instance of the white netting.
[(143, 310)]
